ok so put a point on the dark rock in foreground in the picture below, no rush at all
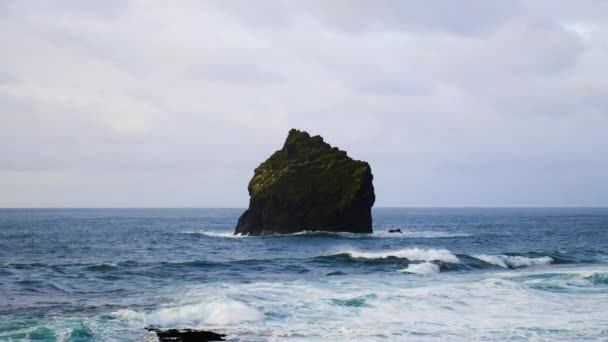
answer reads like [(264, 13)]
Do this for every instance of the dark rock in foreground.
[(187, 335), (309, 186)]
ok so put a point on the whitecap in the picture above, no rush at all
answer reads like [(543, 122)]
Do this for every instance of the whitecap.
[(421, 268), (510, 261), (412, 254)]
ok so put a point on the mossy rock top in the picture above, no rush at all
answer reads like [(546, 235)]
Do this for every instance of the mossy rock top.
[(306, 166), (313, 183)]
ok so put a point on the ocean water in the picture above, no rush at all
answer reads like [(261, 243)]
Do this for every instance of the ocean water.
[(453, 275)]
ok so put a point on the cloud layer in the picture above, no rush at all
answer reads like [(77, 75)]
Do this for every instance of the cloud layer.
[(146, 103)]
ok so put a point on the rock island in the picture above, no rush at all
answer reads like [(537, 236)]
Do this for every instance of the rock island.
[(308, 185)]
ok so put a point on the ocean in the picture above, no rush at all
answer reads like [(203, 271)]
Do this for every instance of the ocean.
[(517, 274)]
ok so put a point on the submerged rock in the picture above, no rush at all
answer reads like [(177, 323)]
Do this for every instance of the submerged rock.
[(309, 186), (187, 335)]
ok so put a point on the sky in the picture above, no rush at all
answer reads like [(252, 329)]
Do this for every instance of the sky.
[(173, 103)]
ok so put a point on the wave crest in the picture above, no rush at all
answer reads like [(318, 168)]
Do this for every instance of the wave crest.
[(512, 261), (412, 254), (597, 278)]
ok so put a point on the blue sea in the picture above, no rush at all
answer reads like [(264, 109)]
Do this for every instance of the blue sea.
[(453, 275)]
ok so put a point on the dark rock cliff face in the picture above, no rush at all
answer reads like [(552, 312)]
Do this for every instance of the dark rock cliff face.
[(309, 186)]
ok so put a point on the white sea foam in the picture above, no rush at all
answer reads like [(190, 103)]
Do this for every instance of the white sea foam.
[(510, 261), (495, 306), (376, 234), (425, 234), (215, 312), (322, 232), (385, 234), (568, 281), (492, 306), (412, 254), (422, 268), (215, 234), (63, 334)]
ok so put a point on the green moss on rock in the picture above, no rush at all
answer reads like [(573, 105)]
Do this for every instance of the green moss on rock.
[(308, 185)]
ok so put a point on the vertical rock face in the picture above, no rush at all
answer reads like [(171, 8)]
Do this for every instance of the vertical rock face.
[(309, 186)]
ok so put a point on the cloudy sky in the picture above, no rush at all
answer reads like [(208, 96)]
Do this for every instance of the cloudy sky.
[(174, 103)]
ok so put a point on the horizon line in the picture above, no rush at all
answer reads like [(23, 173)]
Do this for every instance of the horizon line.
[(379, 207)]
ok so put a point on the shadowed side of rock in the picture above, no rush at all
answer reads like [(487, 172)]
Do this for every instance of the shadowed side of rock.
[(309, 185)]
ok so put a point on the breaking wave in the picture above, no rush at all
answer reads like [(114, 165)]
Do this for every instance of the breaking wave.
[(214, 312), (429, 260), (422, 268)]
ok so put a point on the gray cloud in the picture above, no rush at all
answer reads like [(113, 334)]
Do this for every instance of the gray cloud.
[(453, 103), (7, 78), (459, 17), (99, 9)]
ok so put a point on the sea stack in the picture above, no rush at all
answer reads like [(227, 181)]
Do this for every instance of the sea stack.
[(309, 186)]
